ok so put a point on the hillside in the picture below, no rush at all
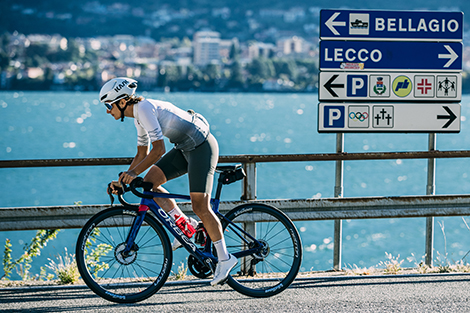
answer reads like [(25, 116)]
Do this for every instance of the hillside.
[(245, 20)]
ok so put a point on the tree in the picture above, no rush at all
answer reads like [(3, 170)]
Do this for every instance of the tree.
[(234, 51), (236, 78), (262, 68), (35, 55), (4, 61), (213, 71), (286, 67)]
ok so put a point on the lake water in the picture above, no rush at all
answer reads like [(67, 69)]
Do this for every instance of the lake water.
[(55, 125)]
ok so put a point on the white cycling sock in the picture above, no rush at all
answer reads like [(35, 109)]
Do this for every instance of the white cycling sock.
[(221, 249), (177, 213)]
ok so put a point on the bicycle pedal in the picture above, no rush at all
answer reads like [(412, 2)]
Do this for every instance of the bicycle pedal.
[(223, 282)]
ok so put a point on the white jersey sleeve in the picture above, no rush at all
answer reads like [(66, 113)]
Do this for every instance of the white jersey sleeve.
[(146, 122), (142, 136)]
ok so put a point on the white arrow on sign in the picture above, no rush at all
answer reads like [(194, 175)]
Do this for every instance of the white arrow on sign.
[(452, 56), (331, 23)]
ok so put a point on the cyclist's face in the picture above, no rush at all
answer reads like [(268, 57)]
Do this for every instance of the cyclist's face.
[(115, 112)]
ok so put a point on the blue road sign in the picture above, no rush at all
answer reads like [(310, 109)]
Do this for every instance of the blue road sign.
[(390, 55), (391, 25)]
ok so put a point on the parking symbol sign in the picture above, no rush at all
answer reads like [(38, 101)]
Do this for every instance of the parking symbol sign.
[(357, 86), (333, 116)]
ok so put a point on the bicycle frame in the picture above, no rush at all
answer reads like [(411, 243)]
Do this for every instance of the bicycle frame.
[(205, 255)]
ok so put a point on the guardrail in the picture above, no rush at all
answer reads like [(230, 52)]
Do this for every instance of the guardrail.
[(337, 208), (75, 216)]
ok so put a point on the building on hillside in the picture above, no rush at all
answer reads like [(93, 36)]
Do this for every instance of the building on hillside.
[(260, 49), (206, 47), (290, 45)]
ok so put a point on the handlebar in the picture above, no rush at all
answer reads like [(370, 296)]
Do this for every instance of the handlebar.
[(138, 182)]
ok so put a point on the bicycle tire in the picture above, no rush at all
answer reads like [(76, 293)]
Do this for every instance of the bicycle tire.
[(272, 270), (111, 275)]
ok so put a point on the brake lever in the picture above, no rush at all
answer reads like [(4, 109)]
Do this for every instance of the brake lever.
[(120, 190), (110, 193)]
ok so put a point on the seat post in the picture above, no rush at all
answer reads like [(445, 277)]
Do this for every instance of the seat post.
[(219, 186)]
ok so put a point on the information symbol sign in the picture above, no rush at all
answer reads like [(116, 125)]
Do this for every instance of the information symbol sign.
[(359, 24), (424, 86), (382, 116), (358, 116), (402, 86), (446, 86)]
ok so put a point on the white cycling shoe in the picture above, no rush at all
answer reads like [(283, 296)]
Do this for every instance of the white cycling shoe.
[(223, 269)]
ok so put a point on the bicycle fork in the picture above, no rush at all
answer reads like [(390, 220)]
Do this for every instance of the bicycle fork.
[(138, 220)]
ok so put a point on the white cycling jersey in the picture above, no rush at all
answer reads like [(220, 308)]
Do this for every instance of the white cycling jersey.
[(155, 119)]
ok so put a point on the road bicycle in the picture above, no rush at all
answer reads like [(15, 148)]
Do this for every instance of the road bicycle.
[(124, 253)]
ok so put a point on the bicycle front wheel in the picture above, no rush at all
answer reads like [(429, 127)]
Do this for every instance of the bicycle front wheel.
[(108, 271), (273, 267)]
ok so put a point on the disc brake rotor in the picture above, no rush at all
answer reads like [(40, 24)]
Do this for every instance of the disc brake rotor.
[(125, 259)]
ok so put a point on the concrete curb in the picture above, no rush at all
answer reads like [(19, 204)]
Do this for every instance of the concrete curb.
[(332, 277)]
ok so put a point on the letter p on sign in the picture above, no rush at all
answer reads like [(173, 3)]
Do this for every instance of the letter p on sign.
[(357, 86), (333, 116)]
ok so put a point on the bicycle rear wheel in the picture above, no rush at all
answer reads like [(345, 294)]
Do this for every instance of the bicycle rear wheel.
[(274, 267), (117, 277)]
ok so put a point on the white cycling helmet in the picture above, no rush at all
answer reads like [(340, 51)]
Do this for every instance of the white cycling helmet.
[(117, 89)]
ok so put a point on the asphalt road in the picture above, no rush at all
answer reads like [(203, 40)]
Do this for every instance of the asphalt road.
[(414, 293)]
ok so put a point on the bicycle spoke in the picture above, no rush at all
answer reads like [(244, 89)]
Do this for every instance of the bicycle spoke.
[(143, 236), (278, 243), (149, 253), (275, 235), (284, 254), (281, 260)]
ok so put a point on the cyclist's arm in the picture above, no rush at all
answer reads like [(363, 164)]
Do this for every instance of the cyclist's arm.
[(144, 160), (157, 151), (142, 152)]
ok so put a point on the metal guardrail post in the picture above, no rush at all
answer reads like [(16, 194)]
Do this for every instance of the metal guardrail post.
[(249, 193), (249, 183), (338, 232), (430, 190)]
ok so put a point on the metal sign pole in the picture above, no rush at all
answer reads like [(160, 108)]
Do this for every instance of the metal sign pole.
[(338, 194), (430, 190)]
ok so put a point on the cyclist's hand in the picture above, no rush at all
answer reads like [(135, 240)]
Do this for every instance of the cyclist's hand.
[(114, 186), (127, 177)]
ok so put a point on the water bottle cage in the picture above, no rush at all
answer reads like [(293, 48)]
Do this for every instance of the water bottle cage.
[(201, 235)]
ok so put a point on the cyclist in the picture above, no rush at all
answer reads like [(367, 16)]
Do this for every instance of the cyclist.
[(195, 152)]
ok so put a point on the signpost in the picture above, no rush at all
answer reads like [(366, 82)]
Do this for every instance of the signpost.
[(369, 59), (391, 25), (411, 61)]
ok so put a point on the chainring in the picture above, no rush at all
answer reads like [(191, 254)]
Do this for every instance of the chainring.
[(197, 268)]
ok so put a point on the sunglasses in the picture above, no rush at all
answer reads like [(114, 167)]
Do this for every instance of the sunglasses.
[(108, 105)]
